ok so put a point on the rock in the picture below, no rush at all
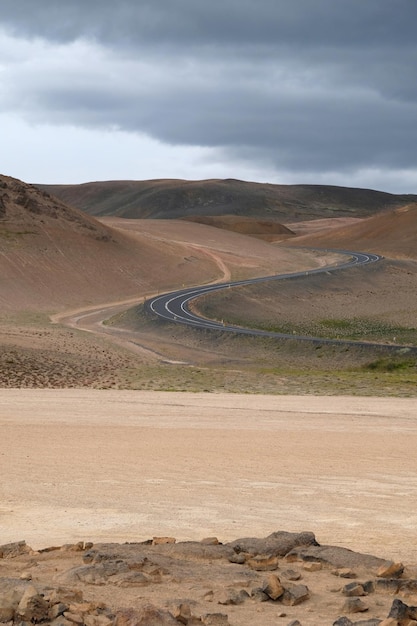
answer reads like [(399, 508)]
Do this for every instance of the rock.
[(98, 620), (259, 595), (343, 621), (263, 563), (90, 556), (157, 541), (60, 621), (116, 572), (215, 619), (295, 595), (344, 572), (390, 621), (210, 541), (387, 585), (232, 596), (32, 607), (390, 570), (355, 605), (64, 595), (401, 611), (291, 574), (272, 587), (181, 611), (74, 618), (196, 551), (294, 622), (408, 586), (336, 556), (369, 586), (148, 615), (11, 550), (56, 610), (51, 549), (276, 544), (353, 589), (9, 601), (240, 558), (312, 566)]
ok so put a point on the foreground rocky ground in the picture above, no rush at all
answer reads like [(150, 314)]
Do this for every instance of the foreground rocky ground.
[(285, 578)]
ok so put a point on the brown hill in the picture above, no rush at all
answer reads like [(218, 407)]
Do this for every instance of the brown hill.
[(255, 227), (393, 234), (54, 257), (181, 198)]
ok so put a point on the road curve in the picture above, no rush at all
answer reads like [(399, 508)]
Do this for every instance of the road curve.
[(174, 306)]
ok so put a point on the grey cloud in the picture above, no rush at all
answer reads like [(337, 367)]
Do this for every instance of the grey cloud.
[(310, 86), (184, 22)]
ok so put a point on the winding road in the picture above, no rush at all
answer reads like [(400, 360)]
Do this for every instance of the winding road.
[(174, 306)]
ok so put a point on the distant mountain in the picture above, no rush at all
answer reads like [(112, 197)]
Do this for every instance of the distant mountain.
[(169, 199)]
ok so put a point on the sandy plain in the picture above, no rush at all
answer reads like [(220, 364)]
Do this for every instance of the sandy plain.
[(128, 465)]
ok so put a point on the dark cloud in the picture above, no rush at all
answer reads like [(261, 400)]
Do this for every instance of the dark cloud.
[(308, 86), (272, 22)]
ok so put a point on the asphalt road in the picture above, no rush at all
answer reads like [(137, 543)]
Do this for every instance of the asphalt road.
[(174, 306)]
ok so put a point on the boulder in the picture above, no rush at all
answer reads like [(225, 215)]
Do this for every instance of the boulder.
[(17, 548), (32, 606), (273, 587), (157, 541), (353, 589), (336, 556), (265, 563), (390, 570), (295, 595), (343, 621), (278, 543), (355, 605), (401, 611), (9, 601), (232, 596)]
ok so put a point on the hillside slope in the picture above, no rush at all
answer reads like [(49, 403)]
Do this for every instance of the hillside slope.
[(180, 198), (393, 233), (53, 256)]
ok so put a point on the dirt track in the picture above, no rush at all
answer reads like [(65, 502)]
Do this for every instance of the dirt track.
[(124, 466)]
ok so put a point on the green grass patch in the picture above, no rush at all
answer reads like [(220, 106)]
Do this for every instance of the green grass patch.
[(391, 365), (351, 329), (14, 234)]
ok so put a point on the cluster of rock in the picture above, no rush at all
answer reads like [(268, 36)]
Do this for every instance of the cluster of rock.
[(248, 572)]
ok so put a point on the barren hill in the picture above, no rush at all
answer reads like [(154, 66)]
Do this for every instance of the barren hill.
[(393, 233), (54, 259), (181, 198), (53, 256)]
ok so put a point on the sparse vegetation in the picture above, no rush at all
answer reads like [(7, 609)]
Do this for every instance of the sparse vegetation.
[(391, 365), (261, 365), (355, 329), (62, 269)]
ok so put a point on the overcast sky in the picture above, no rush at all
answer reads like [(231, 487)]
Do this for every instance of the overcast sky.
[(283, 91)]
